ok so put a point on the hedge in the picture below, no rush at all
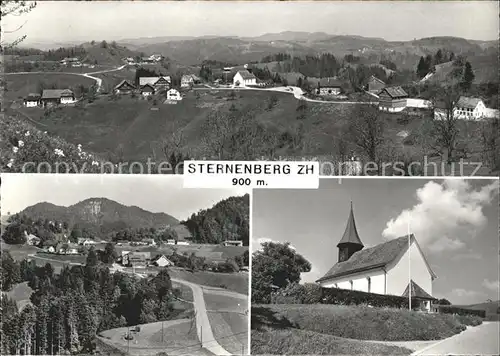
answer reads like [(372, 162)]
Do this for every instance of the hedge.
[(450, 309), (349, 297)]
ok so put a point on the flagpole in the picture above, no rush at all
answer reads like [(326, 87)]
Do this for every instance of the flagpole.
[(409, 266)]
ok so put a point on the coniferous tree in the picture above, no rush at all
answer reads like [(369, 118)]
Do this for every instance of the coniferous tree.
[(468, 76)]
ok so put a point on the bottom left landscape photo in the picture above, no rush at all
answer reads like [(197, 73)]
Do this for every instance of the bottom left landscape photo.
[(122, 265)]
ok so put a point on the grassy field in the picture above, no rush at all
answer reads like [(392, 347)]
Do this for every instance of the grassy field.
[(62, 258), (361, 323), (237, 282), (231, 331), (20, 85), (186, 292), (304, 342), (111, 79), (218, 302)]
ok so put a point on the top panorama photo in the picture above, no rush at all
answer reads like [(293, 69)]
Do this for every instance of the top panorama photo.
[(365, 88)]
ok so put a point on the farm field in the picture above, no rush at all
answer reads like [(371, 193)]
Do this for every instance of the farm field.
[(237, 282), (21, 293), (20, 85), (230, 330), (179, 338)]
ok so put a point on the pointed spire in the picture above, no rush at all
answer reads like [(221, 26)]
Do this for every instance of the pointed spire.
[(351, 233)]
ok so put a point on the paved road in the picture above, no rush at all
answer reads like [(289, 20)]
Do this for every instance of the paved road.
[(296, 91), (479, 340), (203, 327)]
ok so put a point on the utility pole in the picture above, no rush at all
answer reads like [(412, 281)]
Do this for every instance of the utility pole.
[(162, 331), (128, 341), (201, 336)]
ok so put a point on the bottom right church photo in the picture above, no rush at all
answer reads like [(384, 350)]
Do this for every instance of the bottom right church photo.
[(378, 266)]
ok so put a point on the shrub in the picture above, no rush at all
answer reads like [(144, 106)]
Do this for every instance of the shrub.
[(312, 293), (349, 297), (294, 293), (461, 311)]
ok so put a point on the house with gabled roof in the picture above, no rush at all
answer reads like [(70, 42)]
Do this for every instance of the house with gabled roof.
[(466, 108), (244, 78), (158, 83), (328, 86), (161, 261), (57, 96), (381, 269), (392, 99), (147, 90), (32, 100), (124, 87)]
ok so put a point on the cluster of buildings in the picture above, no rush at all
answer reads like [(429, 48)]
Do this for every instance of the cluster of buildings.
[(149, 86), (50, 97), (75, 62), (395, 99), (154, 58), (143, 259)]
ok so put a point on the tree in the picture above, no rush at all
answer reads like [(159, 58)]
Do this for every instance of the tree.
[(468, 77), (276, 265), (14, 8), (443, 301), (422, 68), (109, 255), (445, 128), (104, 44), (92, 257), (366, 130), (10, 273)]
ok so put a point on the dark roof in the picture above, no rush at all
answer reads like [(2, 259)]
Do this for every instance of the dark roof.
[(417, 291), (245, 74), (56, 93), (329, 83), (374, 78), (351, 233), (369, 258), (148, 86), (123, 83), (466, 102), (395, 92), (33, 96)]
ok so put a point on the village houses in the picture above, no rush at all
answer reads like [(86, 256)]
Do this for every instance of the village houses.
[(173, 95), (158, 83), (161, 261), (375, 85), (135, 258), (381, 269), (53, 97), (233, 243)]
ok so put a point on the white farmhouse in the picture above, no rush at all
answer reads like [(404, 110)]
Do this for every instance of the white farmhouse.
[(381, 269), (243, 78), (466, 108), (161, 261), (173, 94), (32, 100)]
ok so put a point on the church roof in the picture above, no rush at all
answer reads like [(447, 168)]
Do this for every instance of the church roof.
[(417, 291), (350, 233), (369, 258)]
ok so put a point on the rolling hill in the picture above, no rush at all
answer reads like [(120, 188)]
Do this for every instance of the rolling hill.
[(100, 213), (492, 309)]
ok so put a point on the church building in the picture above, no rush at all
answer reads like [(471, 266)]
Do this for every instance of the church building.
[(381, 269)]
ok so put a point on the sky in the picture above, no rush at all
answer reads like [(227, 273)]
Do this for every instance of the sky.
[(456, 222), (150, 192), (59, 21)]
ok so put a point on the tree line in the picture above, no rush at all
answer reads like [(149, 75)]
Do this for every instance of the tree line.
[(70, 308), (226, 220)]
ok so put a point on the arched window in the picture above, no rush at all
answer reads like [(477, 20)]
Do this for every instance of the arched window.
[(369, 284), (351, 284)]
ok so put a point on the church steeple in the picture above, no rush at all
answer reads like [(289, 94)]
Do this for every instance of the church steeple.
[(350, 242)]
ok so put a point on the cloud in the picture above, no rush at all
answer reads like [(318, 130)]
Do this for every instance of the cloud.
[(442, 210), (460, 292), (467, 256), (492, 285)]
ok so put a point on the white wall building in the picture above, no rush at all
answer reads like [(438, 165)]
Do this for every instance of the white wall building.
[(466, 108), (386, 268), (243, 78), (174, 94)]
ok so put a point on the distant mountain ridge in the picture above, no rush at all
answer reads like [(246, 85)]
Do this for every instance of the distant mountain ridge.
[(100, 213)]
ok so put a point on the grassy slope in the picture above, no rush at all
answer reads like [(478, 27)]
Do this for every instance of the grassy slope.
[(230, 330), (304, 342), (491, 309), (237, 282), (362, 323), (20, 85), (21, 293)]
